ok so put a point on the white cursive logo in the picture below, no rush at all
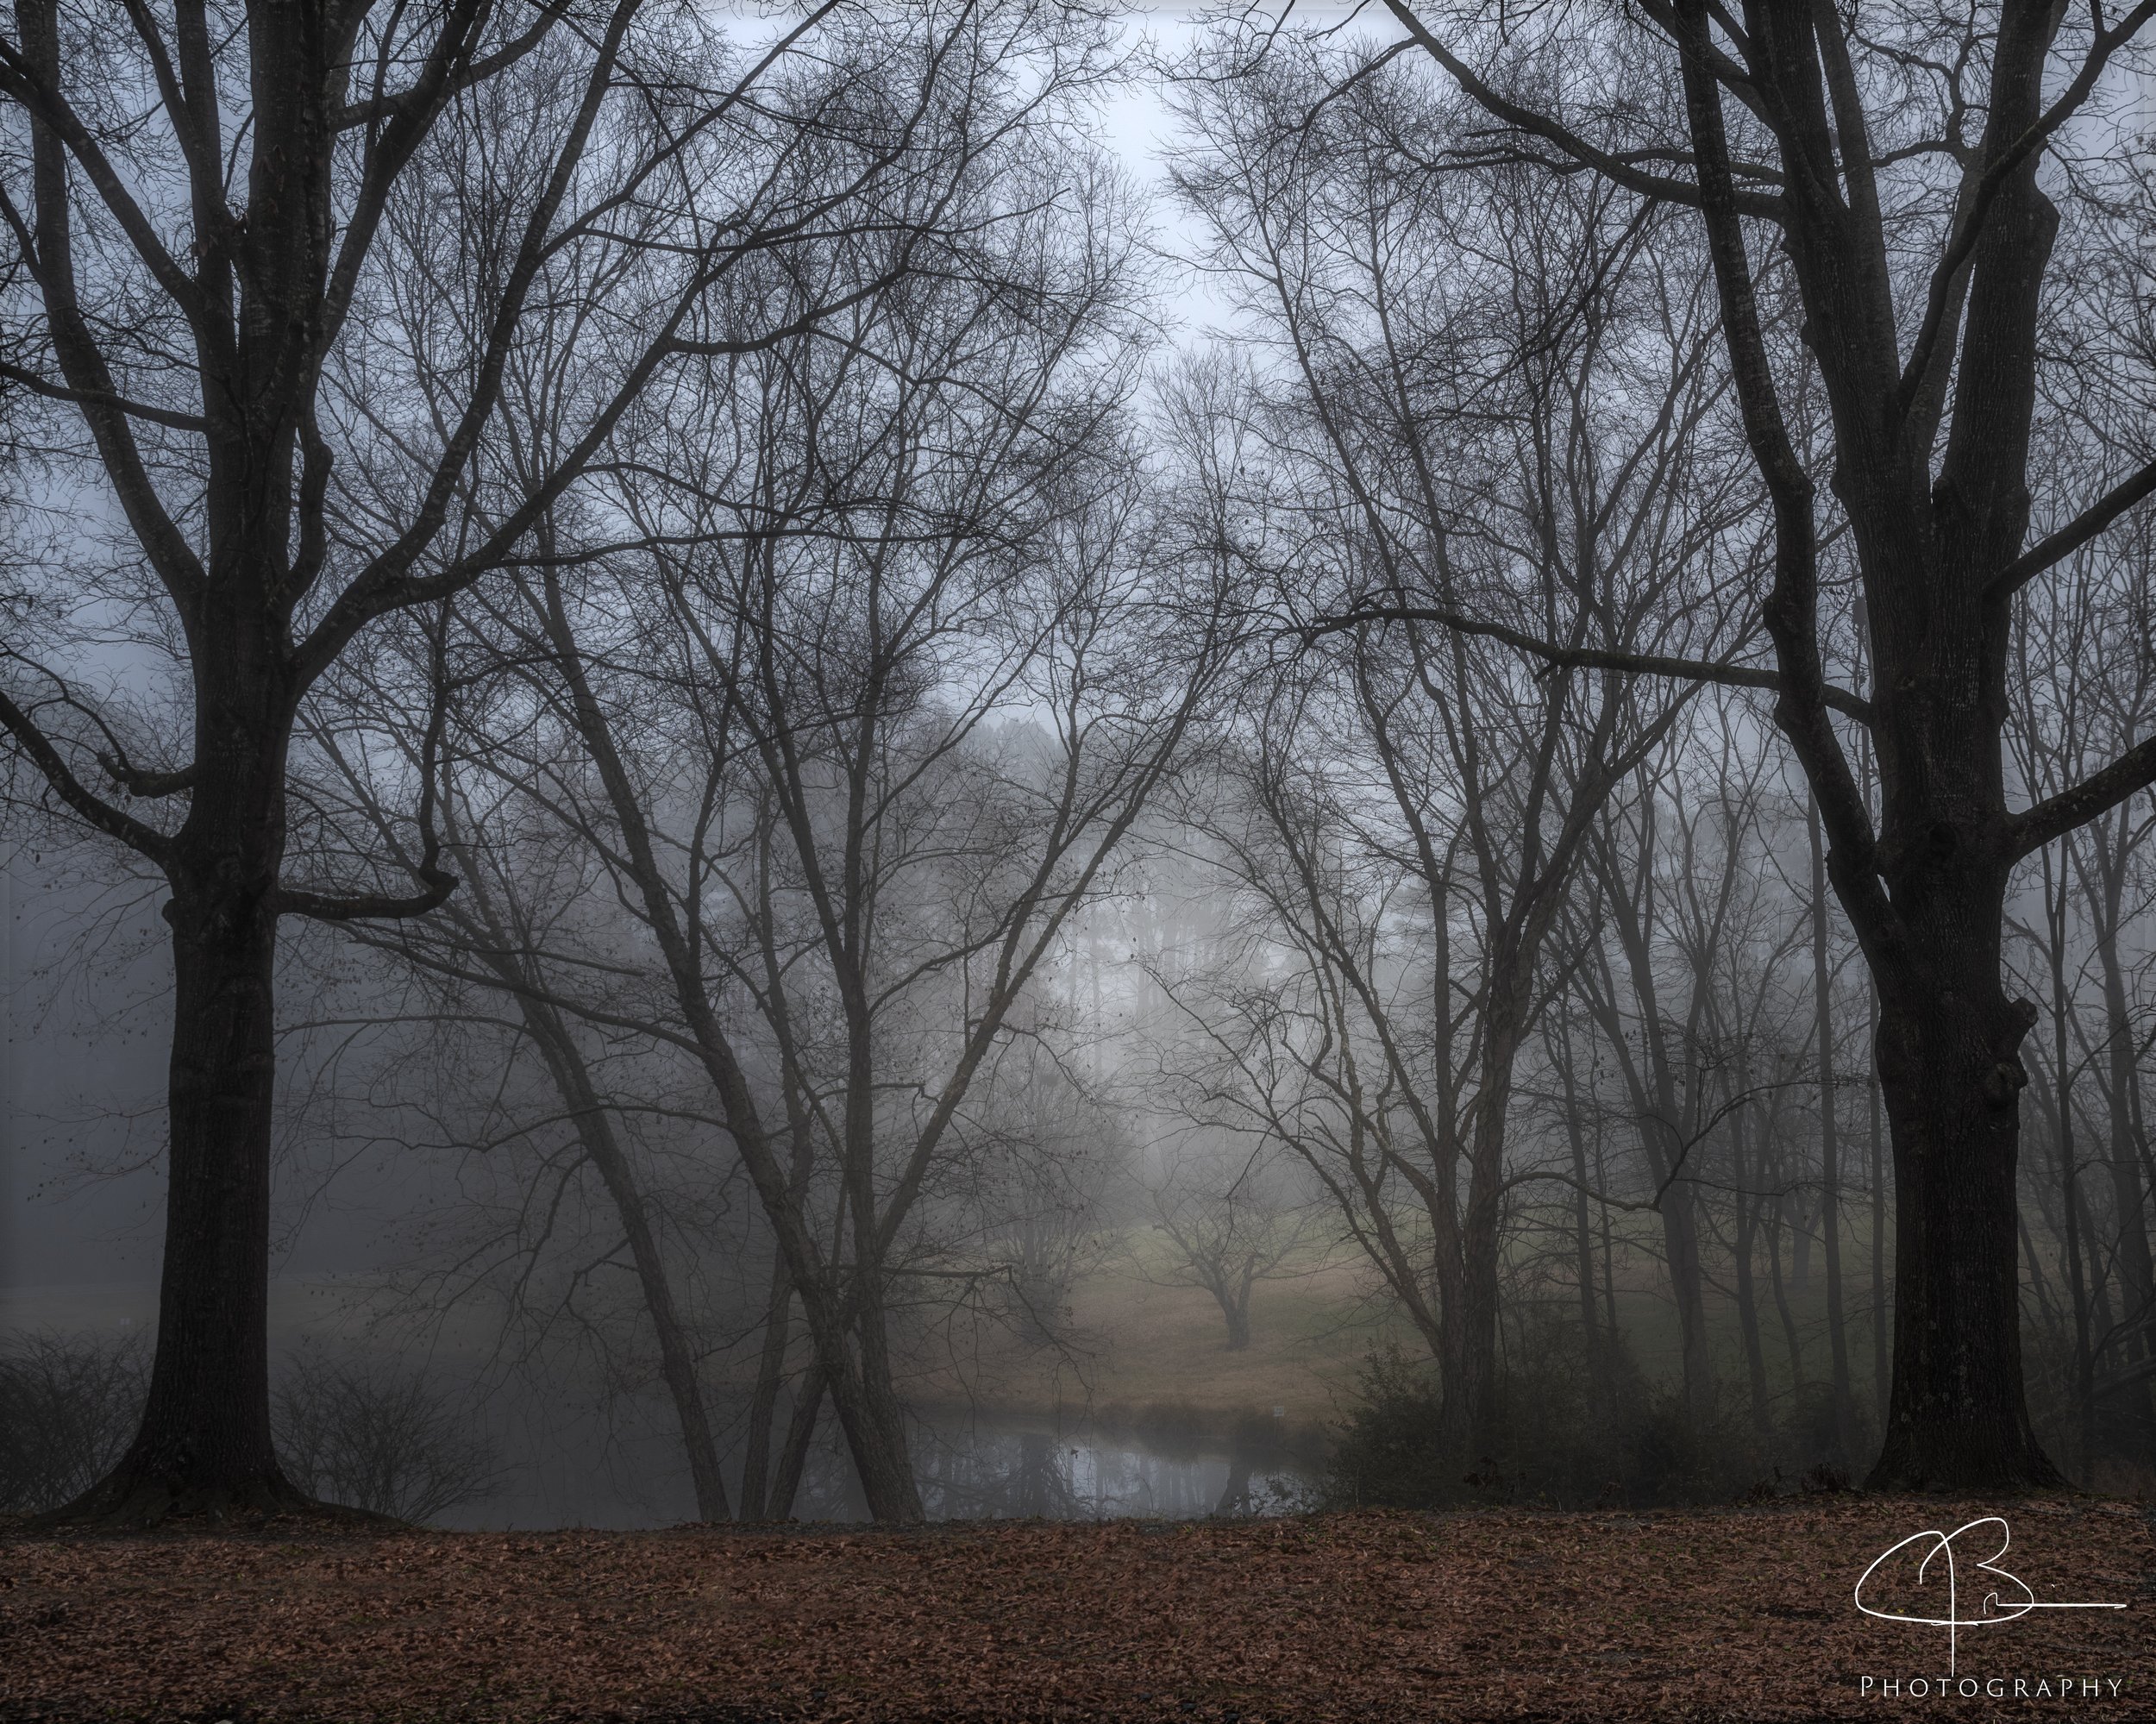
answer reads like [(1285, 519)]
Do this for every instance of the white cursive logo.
[(1989, 1610)]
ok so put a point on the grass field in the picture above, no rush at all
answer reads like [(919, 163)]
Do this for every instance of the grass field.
[(1135, 1349), (1134, 1343)]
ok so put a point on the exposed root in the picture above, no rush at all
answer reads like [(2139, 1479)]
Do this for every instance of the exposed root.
[(128, 1501), (2032, 1475)]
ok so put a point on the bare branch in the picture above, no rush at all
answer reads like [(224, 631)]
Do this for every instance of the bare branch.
[(1612, 165), (2100, 791), (1969, 227), (2055, 547), (149, 785), (113, 822), (1587, 658)]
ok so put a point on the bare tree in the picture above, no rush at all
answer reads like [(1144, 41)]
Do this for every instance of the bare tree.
[(1898, 164), (852, 690), (209, 214), (1231, 1220), (1487, 398)]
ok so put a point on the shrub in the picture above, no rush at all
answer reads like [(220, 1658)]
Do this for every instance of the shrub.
[(375, 1435), (1566, 1430), (69, 1405), (1387, 1455)]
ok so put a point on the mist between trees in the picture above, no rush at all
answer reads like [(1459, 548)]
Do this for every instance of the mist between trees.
[(707, 686)]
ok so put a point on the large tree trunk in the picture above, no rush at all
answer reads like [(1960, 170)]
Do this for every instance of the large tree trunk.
[(203, 1445), (1951, 1078), (1232, 1292)]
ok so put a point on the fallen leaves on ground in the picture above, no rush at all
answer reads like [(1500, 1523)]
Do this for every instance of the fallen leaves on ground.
[(1738, 1613)]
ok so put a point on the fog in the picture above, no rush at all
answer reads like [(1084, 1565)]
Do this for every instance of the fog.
[(1105, 779)]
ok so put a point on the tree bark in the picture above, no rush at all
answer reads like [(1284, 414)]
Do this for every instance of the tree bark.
[(203, 1445), (2128, 1192), (677, 1352), (1951, 1077), (1237, 1311), (763, 1400), (1747, 1231), (1844, 1412)]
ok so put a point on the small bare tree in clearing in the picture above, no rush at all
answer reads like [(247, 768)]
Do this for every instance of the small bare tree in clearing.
[(1228, 1217)]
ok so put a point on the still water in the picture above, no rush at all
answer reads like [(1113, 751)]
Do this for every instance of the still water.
[(969, 1470)]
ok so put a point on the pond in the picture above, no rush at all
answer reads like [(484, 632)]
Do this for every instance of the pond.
[(970, 1469)]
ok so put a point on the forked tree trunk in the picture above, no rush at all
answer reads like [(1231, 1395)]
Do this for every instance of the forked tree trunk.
[(763, 1400), (677, 1351)]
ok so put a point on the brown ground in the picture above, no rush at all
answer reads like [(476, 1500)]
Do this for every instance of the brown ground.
[(1733, 1614)]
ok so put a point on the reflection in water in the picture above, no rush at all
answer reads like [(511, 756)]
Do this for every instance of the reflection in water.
[(980, 1472), (979, 1468)]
